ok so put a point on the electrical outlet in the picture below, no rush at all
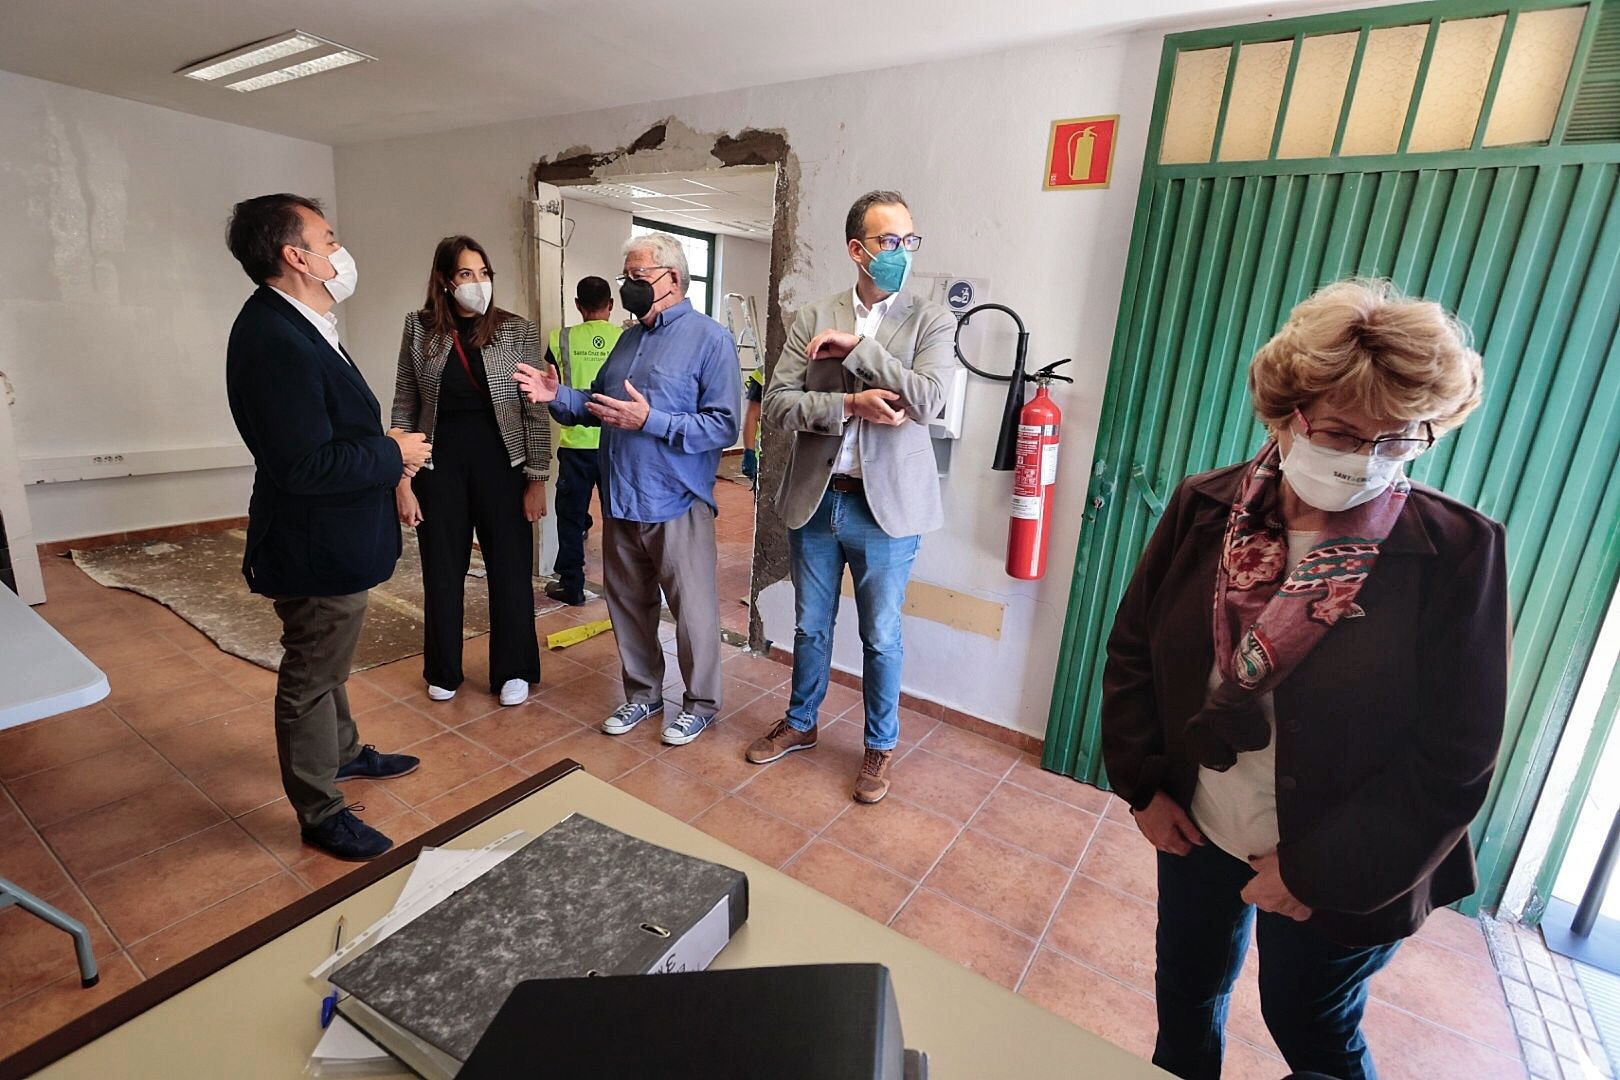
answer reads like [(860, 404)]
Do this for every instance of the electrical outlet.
[(107, 459)]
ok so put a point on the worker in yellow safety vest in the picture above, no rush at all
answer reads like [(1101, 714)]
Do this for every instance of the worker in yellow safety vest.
[(579, 353), (754, 386)]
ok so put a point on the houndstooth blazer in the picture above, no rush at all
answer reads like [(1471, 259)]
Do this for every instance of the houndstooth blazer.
[(525, 428)]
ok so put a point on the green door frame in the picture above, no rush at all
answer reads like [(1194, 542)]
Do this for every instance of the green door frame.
[(1190, 221)]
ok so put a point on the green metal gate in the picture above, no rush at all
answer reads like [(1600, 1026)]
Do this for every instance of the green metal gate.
[(1520, 238)]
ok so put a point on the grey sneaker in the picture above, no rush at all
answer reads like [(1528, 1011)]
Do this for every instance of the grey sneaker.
[(685, 728), (627, 716)]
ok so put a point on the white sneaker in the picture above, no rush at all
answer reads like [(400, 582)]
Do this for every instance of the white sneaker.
[(514, 691), (439, 693)]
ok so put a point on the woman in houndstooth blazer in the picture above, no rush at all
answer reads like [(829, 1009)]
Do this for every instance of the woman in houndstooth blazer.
[(491, 459)]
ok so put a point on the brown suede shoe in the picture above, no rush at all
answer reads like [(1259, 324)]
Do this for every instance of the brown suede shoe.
[(873, 782), (780, 740)]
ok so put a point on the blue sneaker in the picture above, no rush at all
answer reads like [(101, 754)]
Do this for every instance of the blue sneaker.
[(344, 836), (368, 764), (685, 728), (627, 716)]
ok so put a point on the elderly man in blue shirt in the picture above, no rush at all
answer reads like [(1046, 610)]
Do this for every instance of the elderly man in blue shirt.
[(668, 401)]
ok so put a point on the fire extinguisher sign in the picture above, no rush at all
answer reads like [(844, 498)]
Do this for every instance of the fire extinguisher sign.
[(1080, 153)]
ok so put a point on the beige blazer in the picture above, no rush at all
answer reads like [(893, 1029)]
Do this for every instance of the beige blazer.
[(913, 350)]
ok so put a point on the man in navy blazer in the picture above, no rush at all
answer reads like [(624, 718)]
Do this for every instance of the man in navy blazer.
[(321, 522)]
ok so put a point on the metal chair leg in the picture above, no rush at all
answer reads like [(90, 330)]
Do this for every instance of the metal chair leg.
[(15, 894)]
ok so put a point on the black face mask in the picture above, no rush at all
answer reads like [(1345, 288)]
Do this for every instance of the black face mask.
[(637, 296)]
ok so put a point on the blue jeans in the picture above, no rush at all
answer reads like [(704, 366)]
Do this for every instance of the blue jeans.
[(1312, 991), (843, 530)]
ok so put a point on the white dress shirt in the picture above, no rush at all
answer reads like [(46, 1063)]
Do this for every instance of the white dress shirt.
[(326, 324), (1237, 809), (867, 321)]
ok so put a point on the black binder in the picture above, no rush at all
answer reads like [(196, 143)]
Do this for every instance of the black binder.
[(582, 899), (811, 1022)]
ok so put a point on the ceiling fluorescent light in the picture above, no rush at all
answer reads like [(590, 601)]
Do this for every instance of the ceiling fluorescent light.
[(249, 56), (266, 63), (298, 71)]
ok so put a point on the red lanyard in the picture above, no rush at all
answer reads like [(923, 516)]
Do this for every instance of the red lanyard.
[(455, 339)]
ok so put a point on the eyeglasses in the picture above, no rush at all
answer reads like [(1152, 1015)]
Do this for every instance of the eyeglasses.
[(889, 241), (644, 273), (1392, 447)]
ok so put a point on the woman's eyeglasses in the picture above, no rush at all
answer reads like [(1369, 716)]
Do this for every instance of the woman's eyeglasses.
[(1392, 447)]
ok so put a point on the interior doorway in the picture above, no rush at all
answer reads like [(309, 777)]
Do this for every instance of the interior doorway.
[(723, 219)]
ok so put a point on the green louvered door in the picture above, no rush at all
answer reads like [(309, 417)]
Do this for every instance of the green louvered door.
[(1521, 239)]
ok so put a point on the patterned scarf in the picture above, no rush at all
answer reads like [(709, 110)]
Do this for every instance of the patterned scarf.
[(1266, 623)]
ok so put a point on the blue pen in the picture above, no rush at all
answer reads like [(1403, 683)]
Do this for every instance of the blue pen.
[(329, 1002)]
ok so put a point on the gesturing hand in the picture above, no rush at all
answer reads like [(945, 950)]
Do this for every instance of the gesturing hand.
[(1267, 892), (873, 406), (538, 386), (831, 345), (630, 415), (1167, 826)]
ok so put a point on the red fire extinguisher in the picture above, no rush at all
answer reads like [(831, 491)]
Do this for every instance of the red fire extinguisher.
[(1034, 479)]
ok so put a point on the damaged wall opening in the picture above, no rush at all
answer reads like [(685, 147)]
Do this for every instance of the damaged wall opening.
[(729, 200)]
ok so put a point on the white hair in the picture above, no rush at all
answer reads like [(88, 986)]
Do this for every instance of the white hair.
[(666, 249)]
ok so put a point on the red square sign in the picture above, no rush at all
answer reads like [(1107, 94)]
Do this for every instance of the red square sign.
[(1081, 153)]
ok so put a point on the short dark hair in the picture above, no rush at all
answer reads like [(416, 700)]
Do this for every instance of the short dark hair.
[(855, 221), (593, 293), (259, 228)]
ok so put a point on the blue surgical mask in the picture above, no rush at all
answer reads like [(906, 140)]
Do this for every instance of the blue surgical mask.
[(890, 269)]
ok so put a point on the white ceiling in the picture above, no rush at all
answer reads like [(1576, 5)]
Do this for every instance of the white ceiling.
[(451, 65), (735, 201)]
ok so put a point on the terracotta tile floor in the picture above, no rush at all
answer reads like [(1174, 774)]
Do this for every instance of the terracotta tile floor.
[(157, 818)]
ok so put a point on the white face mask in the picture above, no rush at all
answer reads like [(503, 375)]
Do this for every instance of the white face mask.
[(1334, 481), (475, 295), (340, 287)]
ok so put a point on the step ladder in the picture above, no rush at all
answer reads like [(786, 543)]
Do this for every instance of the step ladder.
[(740, 309)]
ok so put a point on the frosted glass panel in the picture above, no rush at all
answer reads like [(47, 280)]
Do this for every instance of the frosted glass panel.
[(1384, 89), (1317, 99), (1533, 79), (1257, 87), (1454, 89), (1195, 106)]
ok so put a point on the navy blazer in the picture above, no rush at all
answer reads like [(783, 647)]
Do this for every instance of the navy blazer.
[(321, 521)]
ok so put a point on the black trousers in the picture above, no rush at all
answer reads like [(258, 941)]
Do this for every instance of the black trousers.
[(576, 479), (473, 489)]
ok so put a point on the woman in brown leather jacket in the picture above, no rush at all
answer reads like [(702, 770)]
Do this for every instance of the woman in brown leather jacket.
[(1306, 683)]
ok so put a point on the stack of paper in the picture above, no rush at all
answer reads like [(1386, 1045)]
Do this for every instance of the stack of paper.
[(343, 1050)]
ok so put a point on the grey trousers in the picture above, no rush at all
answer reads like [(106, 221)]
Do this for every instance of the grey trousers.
[(315, 734), (679, 556)]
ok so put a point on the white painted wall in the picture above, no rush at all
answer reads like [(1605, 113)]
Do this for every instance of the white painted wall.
[(745, 267), (596, 246), (117, 293), (965, 141)]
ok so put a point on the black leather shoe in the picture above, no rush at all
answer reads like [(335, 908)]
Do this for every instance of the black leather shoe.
[(344, 836), (557, 592), (368, 764)]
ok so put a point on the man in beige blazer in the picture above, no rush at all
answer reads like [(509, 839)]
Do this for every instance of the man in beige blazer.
[(860, 376)]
